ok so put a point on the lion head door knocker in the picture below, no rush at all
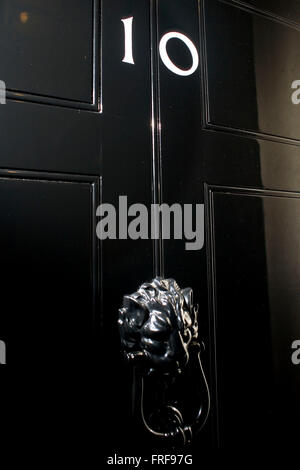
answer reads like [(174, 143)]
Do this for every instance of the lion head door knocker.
[(159, 335)]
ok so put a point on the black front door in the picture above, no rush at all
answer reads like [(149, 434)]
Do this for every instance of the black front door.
[(230, 138), (159, 101), (50, 186)]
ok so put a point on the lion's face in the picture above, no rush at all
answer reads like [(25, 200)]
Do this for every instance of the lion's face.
[(157, 324)]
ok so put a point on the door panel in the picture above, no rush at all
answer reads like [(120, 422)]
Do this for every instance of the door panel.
[(255, 313), (49, 138), (51, 169), (228, 136), (51, 276), (252, 249), (46, 50), (263, 52), (289, 10)]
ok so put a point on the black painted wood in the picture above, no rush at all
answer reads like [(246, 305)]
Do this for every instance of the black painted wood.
[(66, 145), (254, 53), (226, 136), (289, 10), (227, 130), (48, 50)]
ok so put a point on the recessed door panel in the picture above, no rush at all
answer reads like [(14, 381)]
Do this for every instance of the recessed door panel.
[(49, 270), (289, 10), (50, 138), (256, 314), (252, 62), (46, 48)]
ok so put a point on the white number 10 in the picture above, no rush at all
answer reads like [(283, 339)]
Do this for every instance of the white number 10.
[(128, 55)]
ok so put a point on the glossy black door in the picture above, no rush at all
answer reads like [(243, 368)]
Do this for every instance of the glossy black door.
[(81, 126), (229, 135), (74, 130), (51, 165)]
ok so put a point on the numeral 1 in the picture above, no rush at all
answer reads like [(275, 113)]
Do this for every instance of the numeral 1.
[(128, 55)]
